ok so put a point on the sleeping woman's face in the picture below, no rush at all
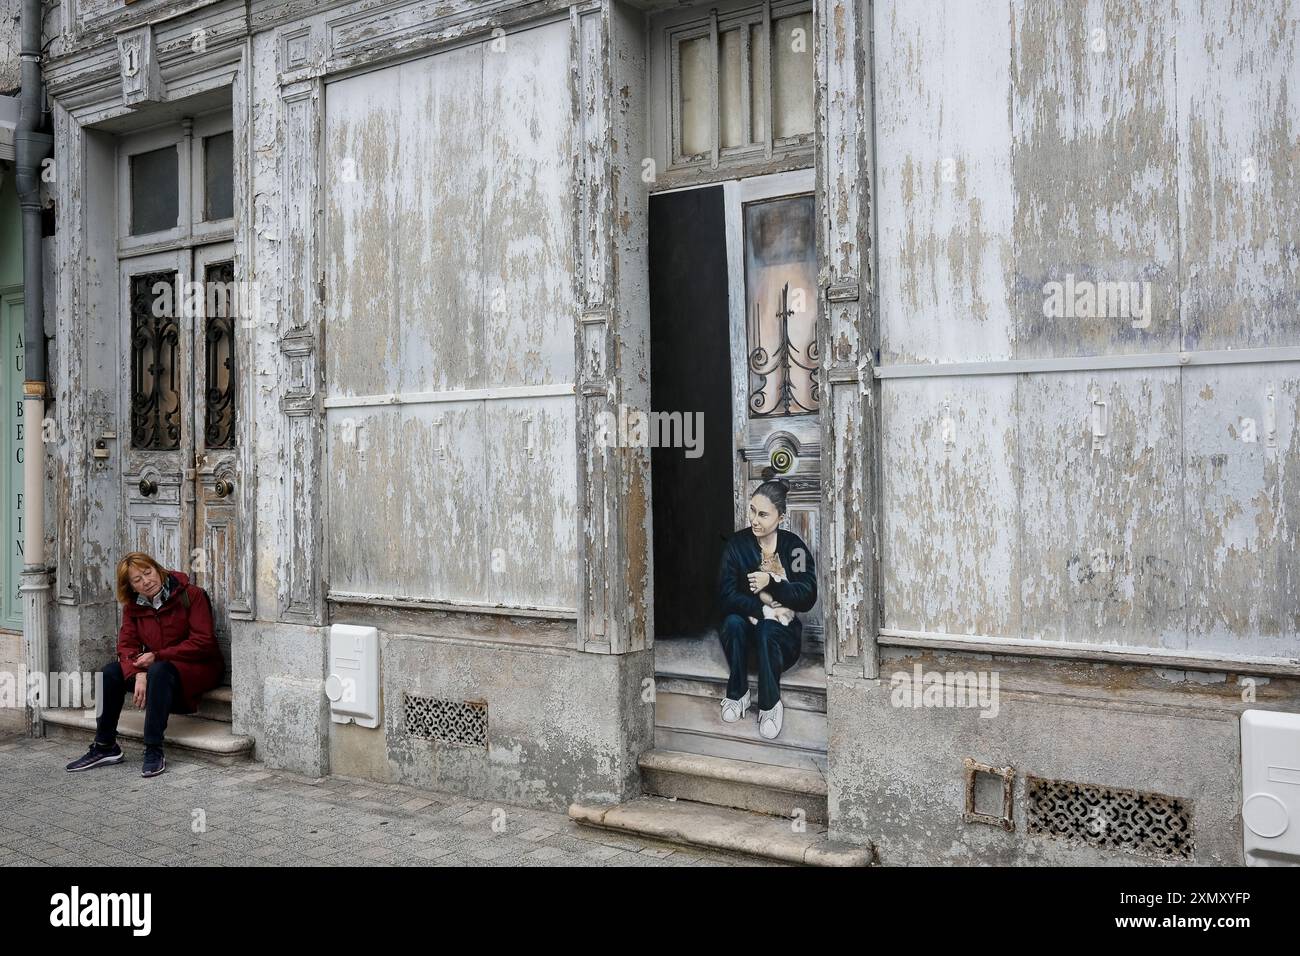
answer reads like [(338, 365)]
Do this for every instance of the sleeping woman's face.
[(763, 516), (145, 581)]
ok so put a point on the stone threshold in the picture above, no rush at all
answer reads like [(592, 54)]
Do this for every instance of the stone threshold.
[(721, 828)]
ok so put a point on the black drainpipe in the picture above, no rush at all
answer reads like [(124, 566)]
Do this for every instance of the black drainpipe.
[(32, 145)]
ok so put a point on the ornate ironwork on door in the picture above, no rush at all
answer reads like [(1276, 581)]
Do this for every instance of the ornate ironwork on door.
[(783, 362), (780, 294), (156, 407), (219, 336)]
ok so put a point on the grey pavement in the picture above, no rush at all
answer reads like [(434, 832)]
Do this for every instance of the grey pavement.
[(200, 813)]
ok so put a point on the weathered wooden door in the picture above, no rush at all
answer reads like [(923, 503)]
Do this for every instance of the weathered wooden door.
[(179, 475), (772, 250)]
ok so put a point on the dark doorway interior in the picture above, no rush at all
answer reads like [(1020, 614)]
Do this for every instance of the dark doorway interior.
[(690, 371)]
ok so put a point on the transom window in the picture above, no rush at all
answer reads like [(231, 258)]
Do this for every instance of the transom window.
[(740, 82), (155, 198), (177, 184)]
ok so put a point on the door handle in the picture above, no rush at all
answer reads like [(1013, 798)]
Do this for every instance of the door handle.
[(782, 460), (148, 487), (223, 487)]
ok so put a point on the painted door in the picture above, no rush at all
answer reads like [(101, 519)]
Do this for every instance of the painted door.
[(771, 240)]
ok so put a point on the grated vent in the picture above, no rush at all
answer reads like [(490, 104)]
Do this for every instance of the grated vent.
[(1110, 819), (460, 722)]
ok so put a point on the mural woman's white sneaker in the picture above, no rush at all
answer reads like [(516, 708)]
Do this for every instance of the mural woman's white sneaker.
[(733, 710), (769, 722)]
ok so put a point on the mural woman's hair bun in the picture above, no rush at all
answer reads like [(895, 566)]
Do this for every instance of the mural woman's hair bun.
[(774, 489)]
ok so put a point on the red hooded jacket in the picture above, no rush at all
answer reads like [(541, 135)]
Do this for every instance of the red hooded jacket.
[(177, 634)]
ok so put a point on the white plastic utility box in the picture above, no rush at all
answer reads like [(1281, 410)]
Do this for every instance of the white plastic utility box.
[(1270, 787), (353, 683)]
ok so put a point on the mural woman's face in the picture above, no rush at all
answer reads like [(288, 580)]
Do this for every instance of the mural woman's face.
[(763, 516), (145, 581)]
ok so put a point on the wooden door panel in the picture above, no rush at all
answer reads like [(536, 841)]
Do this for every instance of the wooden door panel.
[(217, 560)]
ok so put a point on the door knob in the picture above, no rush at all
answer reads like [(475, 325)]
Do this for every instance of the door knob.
[(223, 487), (148, 487), (782, 460)]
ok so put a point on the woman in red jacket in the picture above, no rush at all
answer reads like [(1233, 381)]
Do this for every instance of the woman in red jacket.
[(167, 656)]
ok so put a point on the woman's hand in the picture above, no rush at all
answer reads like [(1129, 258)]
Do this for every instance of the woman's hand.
[(145, 659), (758, 580), (138, 698)]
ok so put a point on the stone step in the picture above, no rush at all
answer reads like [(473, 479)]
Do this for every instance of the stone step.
[(198, 736), (722, 828), (762, 788), (701, 659), (216, 705), (803, 730), (766, 752), (792, 698), (690, 681)]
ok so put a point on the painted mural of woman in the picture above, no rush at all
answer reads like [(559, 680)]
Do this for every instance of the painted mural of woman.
[(766, 578)]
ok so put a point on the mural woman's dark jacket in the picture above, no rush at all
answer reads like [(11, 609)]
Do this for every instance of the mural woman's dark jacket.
[(742, 555)]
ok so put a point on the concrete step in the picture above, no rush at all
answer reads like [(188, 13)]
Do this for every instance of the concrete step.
[(196, 735), (721, 828), (741, 784), (216, 705)]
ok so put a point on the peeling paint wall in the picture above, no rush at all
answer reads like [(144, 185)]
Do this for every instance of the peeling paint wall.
[(10, 35), (1020, 144), (449, 265)]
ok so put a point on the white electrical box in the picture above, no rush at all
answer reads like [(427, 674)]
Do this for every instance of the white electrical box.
[(1270, 787), (353, 683)]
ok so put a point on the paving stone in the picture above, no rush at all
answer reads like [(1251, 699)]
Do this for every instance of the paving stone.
[(604, 853), (258, 817)]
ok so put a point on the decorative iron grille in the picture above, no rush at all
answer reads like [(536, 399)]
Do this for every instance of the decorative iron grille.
[(448, 721), (781, 304), (784, 361), (156, 406), (219, 337), (1108, 818)]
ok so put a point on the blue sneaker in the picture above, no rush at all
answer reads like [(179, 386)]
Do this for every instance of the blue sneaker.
[(154, 762), (97, 756)]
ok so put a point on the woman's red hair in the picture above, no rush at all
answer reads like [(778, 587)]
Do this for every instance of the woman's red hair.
[(140, 561)]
